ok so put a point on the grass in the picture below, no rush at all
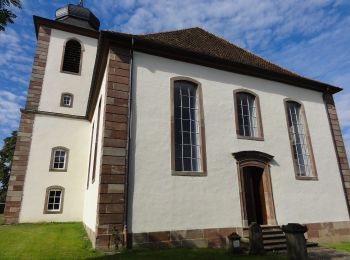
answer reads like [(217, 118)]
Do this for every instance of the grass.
[(341, 246), (45, 241), (186, 254), (1, 218), (68, 241)]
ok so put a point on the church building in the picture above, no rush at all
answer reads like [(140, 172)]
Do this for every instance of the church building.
[(173, 139)]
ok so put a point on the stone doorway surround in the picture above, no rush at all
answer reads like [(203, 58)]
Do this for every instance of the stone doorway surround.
[(260, 160)]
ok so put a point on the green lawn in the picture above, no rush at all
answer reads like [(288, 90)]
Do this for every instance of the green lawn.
[(187, 254), (341, 246), (45, 241), (1, 218), (69, 241)]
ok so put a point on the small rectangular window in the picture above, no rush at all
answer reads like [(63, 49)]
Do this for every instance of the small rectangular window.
[(54, 200), (67, 100), (59, 158)]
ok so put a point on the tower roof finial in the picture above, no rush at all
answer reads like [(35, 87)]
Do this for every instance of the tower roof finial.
[(81, 2)]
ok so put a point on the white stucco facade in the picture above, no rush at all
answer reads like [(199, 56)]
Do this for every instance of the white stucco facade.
[(56, 82), (49, 132), (71, 133), (91, 193), (159, 201)]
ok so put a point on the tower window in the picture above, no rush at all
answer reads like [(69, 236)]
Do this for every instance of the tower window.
[(66, 100), (72, 57), (54, 200), (59, 159)]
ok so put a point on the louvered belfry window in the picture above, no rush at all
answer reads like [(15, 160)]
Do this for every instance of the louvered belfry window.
[(72, 57)]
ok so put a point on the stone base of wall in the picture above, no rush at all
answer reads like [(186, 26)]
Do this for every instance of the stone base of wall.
[(212, 237), (91, 234), (329, 232)]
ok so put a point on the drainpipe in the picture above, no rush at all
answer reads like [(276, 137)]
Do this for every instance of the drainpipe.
[(126, 192)]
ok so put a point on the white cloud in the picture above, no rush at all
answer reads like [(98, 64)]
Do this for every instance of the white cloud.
[(10, 103)]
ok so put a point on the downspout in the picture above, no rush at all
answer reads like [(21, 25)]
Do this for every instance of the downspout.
[(126, 192)]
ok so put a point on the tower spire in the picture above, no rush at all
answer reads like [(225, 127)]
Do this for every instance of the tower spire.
[(81, 3)]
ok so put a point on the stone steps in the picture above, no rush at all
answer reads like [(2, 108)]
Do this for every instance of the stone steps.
[(274, 238)]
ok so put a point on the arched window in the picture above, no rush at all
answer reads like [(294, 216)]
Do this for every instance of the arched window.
[(59, 159), (72, 57), (187, 129), (54, 200), (300, 140), (248, 118)]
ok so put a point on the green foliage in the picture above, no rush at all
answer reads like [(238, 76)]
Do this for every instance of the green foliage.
[(6, 14), (6, 155)]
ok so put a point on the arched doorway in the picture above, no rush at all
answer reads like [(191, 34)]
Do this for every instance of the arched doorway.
[(255, 188)]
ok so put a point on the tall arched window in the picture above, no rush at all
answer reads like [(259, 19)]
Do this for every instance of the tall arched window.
[(300, 140), (72, 57), (248, 118), (188, 153)]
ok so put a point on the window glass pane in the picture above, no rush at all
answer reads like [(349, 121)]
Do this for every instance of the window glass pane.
[(178, 164), (185, 114), (246, 113), (186, 126), (185, 101), (186, 138), (187, 164), (187, 150), (299, 139)]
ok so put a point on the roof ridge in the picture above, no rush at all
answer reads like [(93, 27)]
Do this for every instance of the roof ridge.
[(171, 31)]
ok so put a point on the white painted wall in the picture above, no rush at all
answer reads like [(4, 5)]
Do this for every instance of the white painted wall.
[(49, 132), (91, 194), (159, 201), (56, 82)]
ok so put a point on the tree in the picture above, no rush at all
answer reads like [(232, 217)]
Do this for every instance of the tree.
[(6, 155), (6, 14)]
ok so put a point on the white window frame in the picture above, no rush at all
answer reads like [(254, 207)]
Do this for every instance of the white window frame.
[(53, 159), (54, 197), (63, 103)]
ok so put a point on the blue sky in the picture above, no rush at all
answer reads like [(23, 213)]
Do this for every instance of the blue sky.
[(311, 37)]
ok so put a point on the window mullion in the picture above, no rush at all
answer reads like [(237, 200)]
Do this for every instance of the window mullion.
[(242, 114), (190, 117), (182, 133)]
